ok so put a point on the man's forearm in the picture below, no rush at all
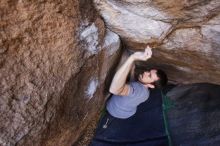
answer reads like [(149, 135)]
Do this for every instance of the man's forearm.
[(118, 85), (120, 77)]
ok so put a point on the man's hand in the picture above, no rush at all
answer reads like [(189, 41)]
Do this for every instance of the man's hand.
[(118, 85), (143, 56)]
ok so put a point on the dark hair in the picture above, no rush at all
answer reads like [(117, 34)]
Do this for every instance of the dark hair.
[(160, 83)]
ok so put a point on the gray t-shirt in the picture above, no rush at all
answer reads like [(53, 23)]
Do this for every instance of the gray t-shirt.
[(125, 106)]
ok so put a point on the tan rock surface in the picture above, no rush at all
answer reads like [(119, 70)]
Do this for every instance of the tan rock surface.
[(185, 34), (52, 70)]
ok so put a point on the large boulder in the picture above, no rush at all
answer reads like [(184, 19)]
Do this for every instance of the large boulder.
[(193, 117), (54, 58), (185, 34)]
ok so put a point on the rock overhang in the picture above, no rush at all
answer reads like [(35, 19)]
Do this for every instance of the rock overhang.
[(184, 35)]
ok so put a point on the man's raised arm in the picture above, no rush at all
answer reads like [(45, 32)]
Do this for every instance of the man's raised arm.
[(118, 85)]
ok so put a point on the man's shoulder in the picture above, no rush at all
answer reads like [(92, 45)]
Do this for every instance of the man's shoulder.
[(136, 84), (138, 88)]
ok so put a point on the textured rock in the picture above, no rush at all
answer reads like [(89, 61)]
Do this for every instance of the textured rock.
[(132, 23), (194, 118), (51, 70), (185, 34)]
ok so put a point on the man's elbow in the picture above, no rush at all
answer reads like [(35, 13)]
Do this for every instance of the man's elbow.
[(113, 91)]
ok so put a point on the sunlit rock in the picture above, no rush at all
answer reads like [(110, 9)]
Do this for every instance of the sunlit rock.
[(185, 34), (132, 23), (52, 70)]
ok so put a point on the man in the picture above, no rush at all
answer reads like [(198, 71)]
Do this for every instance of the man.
[(127, 96), (118, 126)]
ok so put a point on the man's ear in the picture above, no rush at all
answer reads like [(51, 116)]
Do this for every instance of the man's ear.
[(149, 86)]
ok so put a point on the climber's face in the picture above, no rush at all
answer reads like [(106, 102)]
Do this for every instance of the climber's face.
[(148, 77)]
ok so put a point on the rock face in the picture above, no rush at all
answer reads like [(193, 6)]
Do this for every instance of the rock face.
[(54, 58), (185, 34), (194, 117)]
